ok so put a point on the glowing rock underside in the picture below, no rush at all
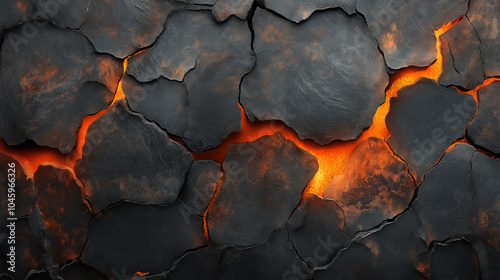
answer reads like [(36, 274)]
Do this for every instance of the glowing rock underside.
[(273, 139)]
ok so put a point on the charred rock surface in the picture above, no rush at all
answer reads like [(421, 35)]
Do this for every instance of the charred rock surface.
[(223, 9), (76, 270), (455, 260), (300, 10), (202, 264), (308, 75)]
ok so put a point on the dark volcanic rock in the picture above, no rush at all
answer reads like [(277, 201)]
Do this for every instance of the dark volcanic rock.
[(79, 271), (373, 189), (456, 260), (129, 238), (202, 264), (316, 230), (354, 263), (200, 186), (405, 29), (134, 160), (65, 214), (316, 77), (424, 120), (162, 101), (398, 249), (211, 58), (299, 10), (263, 185), (23, 186), (49, 83), (444, 200), (462, 64), (484, 129), (274, 260), (223, 9), (485, 179), (485, 17), (123, 27)]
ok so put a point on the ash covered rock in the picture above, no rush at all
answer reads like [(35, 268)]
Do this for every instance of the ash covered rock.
[(299, 10), (127, 158), (325, 78), (223, 9), (49, 82), (263, 185)]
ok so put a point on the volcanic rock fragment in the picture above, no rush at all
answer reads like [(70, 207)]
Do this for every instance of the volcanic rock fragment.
[(461, 57), (121, 28), (162, 101), (49, 83), (484, 129), (274, 260), (129, 238), (211, 58), (456, 260), (316, 230), (263, 185), (485, 17), (373, 189), (424, 120), (316, 77), (66, 216), (223, 9), (405, 29), (299, 10), (200, 186), (79, 271), (202, 264), (132, 159)]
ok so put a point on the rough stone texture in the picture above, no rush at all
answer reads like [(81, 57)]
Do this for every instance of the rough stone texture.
[(146, 238), (162, 101), (398, 249), (51, 81), (24, 194), (66, 216), (456, 260), (312, 78), (485, 179), (462, 64), (316, 231), (424, 120), (444, 200), (274, 260), (263, 185), (405, 29), (200, 186), (202, 264), (79, 271), (484, 129), (355, 262), (123, 27), (211, 58), (373, 189), (299, 10), (134, 160), (223, 9), (485, 17)]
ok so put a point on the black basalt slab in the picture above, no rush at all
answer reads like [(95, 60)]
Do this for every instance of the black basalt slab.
[(424, 120), (316, 230), (202, 264), (299, 10), (484, 129), (223, 9), (65, 214), (129, 238), (455, 260), (444, 200), (462, 64), (200, 186), (133, 160), (317, 77), (485, 17), (211, 58), (405, 29), (49, 83), (263, 185), (79, 271), (162, 101), (374, 188), (274, 260), (121, 28)]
